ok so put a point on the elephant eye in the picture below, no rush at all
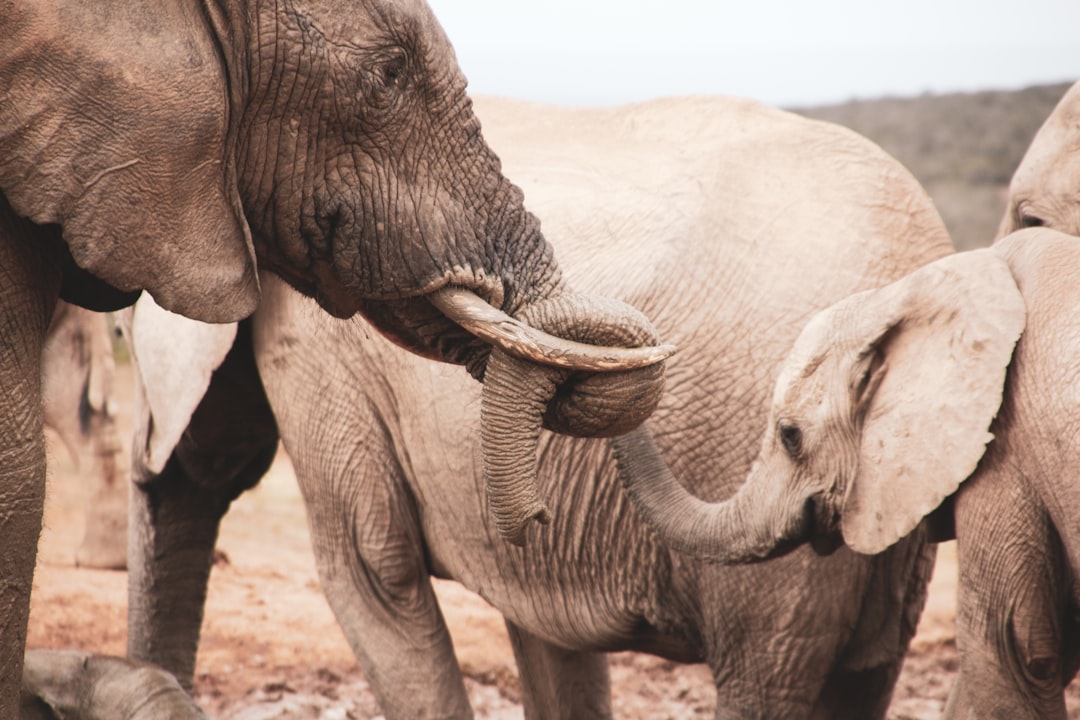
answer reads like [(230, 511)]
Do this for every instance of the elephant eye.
[(385, 76), (1043, 669), (1027, 216), (393, 69), (791, 438)]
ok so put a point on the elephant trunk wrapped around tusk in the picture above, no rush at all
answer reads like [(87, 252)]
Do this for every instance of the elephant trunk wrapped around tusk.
[(522, 395), (530, 343)]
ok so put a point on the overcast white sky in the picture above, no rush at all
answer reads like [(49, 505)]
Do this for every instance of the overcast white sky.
[(785, 52)]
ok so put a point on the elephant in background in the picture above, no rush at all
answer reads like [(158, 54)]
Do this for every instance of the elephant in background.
[(950, 392), (78, 371), (179, 148), (729, 223), (1045, 189)]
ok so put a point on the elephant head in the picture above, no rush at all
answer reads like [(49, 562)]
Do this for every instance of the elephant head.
[(333, 140), (1044, 189), (881, 409)]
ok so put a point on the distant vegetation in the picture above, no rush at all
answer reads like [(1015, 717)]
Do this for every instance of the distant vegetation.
[(963, 148)]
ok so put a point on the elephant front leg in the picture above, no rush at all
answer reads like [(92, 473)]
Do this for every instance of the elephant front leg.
[(560, 683), (22, 497), (174, 518), (174, 521), (29, 287), (173, 530), (370, 555)]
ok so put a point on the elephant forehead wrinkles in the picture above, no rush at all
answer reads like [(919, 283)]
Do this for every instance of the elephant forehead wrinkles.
[(345, 25)]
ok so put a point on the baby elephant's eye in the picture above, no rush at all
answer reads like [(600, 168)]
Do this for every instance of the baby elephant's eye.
[(791, 439)]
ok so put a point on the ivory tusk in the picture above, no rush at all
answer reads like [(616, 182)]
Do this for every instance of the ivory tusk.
[(521, 340)]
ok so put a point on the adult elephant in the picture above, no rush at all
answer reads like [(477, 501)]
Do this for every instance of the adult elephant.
[(729, 222), (166, 147), (905, 382)]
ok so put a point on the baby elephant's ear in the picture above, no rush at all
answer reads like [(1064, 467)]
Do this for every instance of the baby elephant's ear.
[(934, 390), (114, 125)]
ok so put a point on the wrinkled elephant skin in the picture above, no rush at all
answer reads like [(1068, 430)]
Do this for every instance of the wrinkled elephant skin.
[(944, 396), (728, 224), (182, 146), (994, 364)]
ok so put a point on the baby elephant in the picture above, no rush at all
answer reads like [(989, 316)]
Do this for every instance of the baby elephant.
[(893, 400)]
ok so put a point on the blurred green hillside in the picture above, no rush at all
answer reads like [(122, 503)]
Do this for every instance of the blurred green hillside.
[(963, 148)]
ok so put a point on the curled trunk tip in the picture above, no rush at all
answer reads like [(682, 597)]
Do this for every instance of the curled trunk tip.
[(512, 525), (510, 429)]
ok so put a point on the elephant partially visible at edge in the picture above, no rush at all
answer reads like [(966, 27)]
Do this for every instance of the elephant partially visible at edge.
[(729, 223), (179, 147), (1045, 189)]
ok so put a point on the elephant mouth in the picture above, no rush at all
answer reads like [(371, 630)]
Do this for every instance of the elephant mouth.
[(455, 324), (822, 525), (817, 525), (418, 326)]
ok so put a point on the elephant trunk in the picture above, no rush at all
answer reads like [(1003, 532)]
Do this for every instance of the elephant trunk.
[(748, 527), (521, 396)]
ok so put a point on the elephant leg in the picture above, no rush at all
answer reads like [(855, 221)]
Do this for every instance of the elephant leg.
[(560, 683), (858, 695), (104, 542), (371, 561), (862, 687), (29, 287), (104, 469), (174, 516), (22, 497)]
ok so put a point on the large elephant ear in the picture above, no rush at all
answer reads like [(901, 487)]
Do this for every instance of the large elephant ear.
[(175, 358), (114, 125), (939, 344)]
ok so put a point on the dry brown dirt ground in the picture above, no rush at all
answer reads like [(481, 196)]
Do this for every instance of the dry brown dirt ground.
[(271, 649)]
